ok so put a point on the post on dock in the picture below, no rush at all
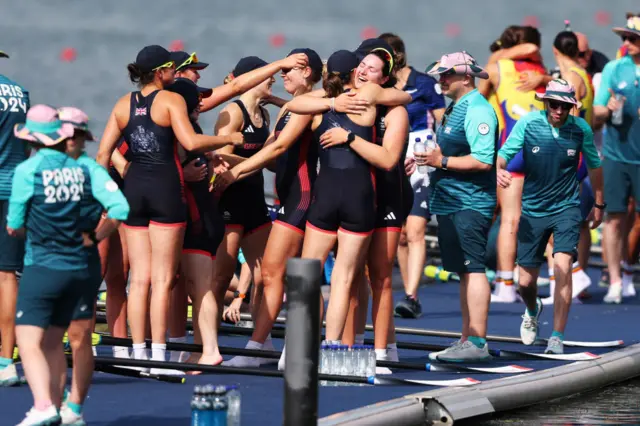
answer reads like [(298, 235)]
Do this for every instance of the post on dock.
[(302, 342)]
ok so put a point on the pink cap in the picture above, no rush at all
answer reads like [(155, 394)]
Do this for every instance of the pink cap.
[(459, 63), (560, 90), (43, 126), (76, 117)]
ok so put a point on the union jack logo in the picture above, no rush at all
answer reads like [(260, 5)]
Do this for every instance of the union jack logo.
[(141, 111)]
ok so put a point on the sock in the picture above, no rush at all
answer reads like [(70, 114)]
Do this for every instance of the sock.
[(254, 345), (65, 395), (139, 351), (120, 352), (158, 351), (558, 335), (76, 408), (392, 346), (359, 340), (5, 362), (551, 275), (381, 354), (534, 313), (507, 277), (478, 342)]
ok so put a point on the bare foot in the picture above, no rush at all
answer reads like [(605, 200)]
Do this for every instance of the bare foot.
[(207, 360), (194, 358)]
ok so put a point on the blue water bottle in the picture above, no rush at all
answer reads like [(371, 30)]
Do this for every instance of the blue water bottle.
[(197, 415), (233, 404), (219, 406)]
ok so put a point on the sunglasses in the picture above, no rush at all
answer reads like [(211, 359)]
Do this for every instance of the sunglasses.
[(387, 55), (562, 105), (169, 64), (288, 70), (630, 38), (583, 54), (192, 59)]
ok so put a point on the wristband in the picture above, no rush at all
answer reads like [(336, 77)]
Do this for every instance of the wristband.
[(600, 206), (238, 295), (333, 104), (445, 161)]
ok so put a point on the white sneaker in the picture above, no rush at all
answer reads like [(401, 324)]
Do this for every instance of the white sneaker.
[(614, 294), (628, 288), (581, 282), (529, 326), (166, 372), (504, 293), (9, 376), (41, 418), (433, 356), (466, 352), (281, 360), (70, 418)]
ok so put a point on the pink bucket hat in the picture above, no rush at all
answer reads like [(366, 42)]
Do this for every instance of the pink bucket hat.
[(460, 63), (560, 90), (77, 118), (632, 27), (43, 126)]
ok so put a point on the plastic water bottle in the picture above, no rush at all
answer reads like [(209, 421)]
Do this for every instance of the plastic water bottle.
[(219, 407), (616, 116), (324, 362), (333, 364), (371, 364), (233, 402), (431, 144), (206, 405), (363, 361), (197, 415), (420, 146)]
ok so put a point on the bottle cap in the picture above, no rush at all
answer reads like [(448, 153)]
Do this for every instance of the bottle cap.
[(417, 140)]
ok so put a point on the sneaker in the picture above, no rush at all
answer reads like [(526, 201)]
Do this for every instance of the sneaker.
[(614, 294), (529, 326), (628, 288), (409, 308), (70, 418), (554, 346), (41, 418), (9, 376), (433, 356), (465, 352)]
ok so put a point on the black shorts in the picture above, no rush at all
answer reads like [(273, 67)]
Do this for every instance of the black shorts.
[(12, 248), (243, 206), (204, 235), (155, 195), (420, 205), (343, 199), (393, 207), (294, 208)]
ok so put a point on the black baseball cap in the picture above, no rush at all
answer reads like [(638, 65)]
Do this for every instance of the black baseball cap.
[(181, 57), (248, 64), (370, 45), (342, 62), (315, 63), (3, 55), (151, 57), (189, 91)]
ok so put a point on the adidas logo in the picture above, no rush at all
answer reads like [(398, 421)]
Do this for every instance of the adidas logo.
[(249, 129), (226, 215), (390, 216), (281, 211)]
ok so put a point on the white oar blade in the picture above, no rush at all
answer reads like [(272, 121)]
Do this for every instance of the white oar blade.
[(507, 369), (468, 381), (581, 356)]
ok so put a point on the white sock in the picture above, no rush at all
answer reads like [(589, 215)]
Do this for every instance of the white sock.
[(360, 339), (381, 354), (551, 273), (140, 351), (254, 345), (625, 266), (392, 346), (505, 275), (158, 351), (120, 352)]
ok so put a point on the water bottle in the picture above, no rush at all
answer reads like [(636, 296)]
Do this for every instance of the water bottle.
[(420, 146), (233, 402), (332, 364), (197, 415), (363, 361), (206, 404), (219, 406), (371, 364), (431, 144), (616, 116), (344, 360), (324, 362)]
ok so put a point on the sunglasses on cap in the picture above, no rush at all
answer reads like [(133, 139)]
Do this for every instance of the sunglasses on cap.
[(169, 64), (631, 38), (192, 59), (387, 55), (562, 105)]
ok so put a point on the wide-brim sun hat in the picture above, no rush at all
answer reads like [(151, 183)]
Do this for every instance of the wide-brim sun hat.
[(43, 126), (77, 118), (561, 91), (460, 63), (632, 27)]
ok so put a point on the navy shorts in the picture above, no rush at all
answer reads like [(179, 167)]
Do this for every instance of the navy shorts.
[(534, 233), (621, 181), (89, 293), (462, 237), (12, 248), (420, 206), (48, 297)]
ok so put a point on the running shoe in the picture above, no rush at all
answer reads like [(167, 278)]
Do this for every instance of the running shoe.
[(70, 418), (554, 346), (433, 356), (529, 326), (614, 294), (628, 288), (46, 417), (408, 308), (465, 352), (9, 376)]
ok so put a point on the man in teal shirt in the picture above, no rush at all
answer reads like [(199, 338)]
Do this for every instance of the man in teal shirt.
[(14, 102), (620, 93), (463, 195), (551, 142)]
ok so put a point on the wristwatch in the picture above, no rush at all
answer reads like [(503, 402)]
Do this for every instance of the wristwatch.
[(238, 295), (93, 238), (600, 206), (445, 160), (351, 137)]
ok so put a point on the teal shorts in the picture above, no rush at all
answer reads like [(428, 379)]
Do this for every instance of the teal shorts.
[(462, 237), (11, 248), (48, 297), (621, 181), (534, 233), (89, 293)]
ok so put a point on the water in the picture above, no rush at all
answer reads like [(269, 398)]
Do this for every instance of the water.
[(614, 405)]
